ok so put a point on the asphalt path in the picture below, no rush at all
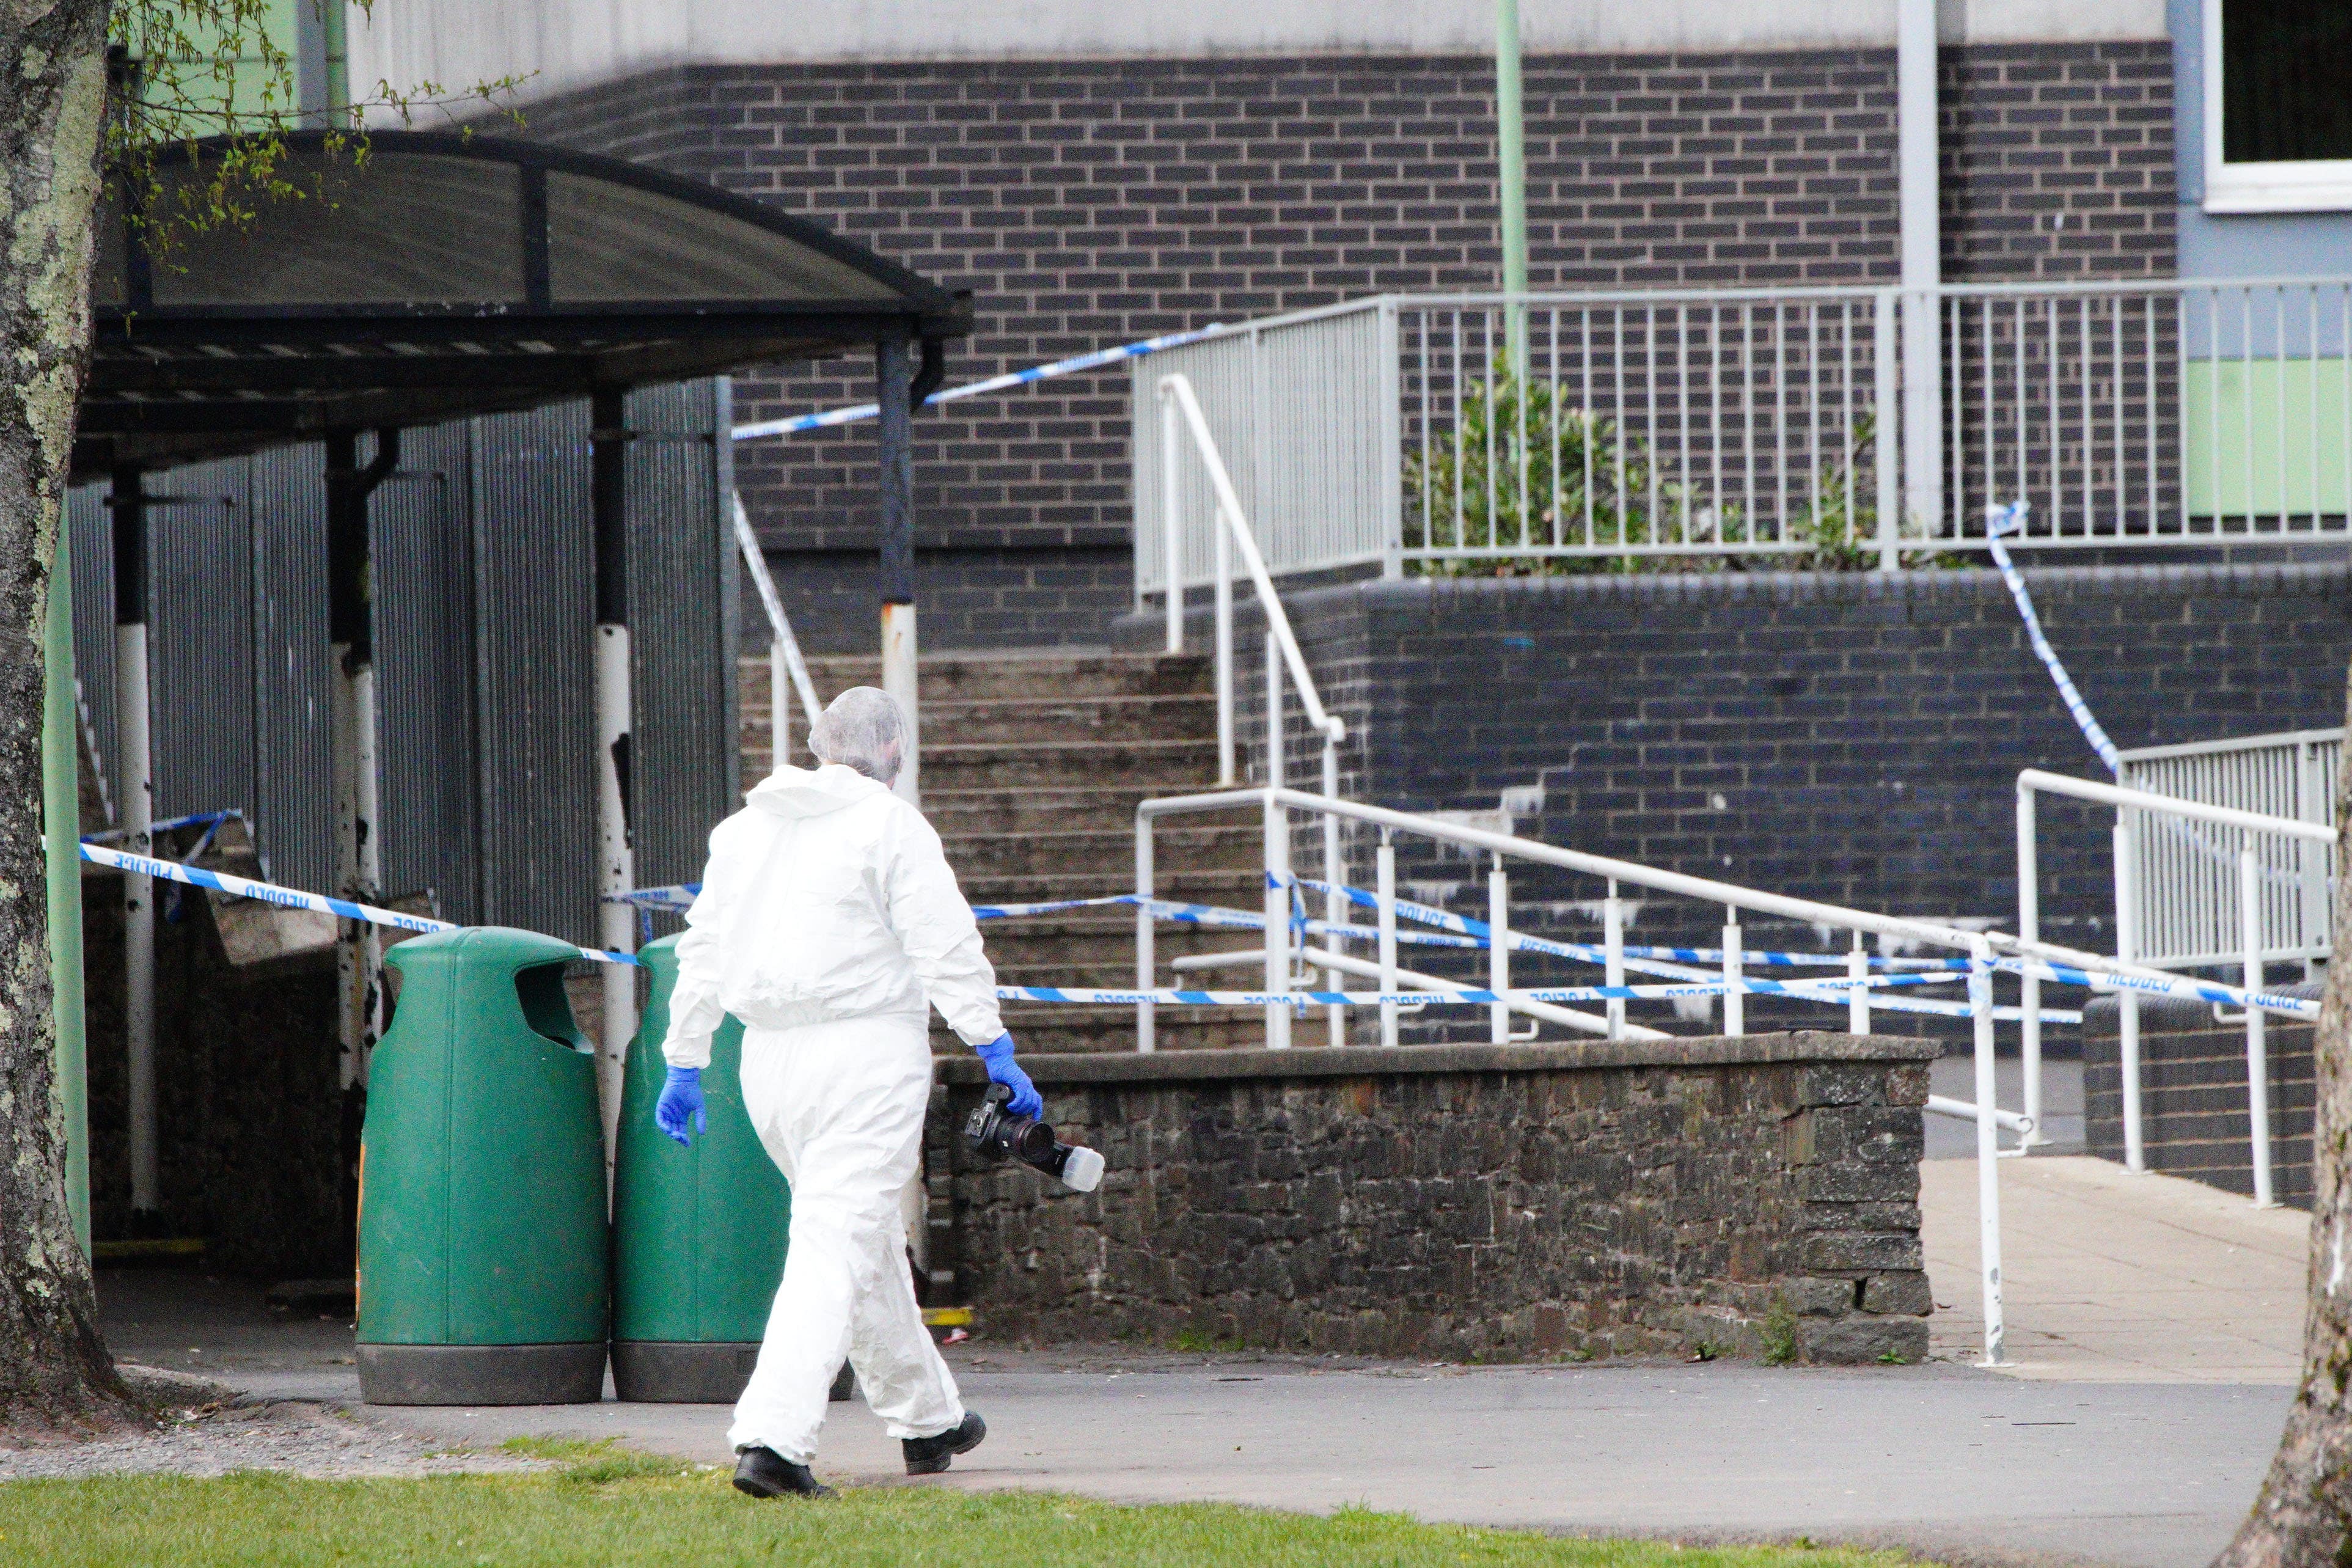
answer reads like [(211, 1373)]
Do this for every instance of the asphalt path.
[(1958, 1463)]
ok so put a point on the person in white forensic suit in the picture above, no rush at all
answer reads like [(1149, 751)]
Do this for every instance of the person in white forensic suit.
[(829, 923)]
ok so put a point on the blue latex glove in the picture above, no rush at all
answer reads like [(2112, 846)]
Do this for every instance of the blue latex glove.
[(1001, 1069), (681, 1102)]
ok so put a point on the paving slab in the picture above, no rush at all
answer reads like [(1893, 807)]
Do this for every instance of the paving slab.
[(2111, 1276)]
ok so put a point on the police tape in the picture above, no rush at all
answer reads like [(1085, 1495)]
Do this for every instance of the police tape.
[(288, 898), (1479, 934), (1826, 990), (1096, 359), (1638, 958), (1086, 998), (2011, 519), (2148, 985), (172, 823)]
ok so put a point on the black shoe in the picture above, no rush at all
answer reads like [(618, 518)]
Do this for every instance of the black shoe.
[(930, 1456), (763, 1472)]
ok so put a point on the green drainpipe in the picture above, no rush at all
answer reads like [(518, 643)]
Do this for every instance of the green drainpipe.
[(61, 814), (332, 43), (1510, 147)]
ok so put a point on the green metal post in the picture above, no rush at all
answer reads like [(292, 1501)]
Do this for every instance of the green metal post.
[(1510, 146), (61, 814), (334, 41)]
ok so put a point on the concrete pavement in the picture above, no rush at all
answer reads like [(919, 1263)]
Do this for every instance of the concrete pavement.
[(1956, 1464), (2153, 1327), (2113, 1277)]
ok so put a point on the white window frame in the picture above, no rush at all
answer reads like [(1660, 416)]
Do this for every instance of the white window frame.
[(2318, 185)]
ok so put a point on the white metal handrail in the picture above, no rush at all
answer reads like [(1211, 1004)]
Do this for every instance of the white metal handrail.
[(1180, 410), (2250, 827), (1987, 950), (785, 661)]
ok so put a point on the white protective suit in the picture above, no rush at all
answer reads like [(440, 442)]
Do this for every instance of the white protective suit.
[(827, 918)]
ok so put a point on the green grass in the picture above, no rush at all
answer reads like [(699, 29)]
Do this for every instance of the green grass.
[(609, 1506)]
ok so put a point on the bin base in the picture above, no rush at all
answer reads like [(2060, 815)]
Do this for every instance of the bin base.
[(482, 1375), (693, 1372), (682, 1371)]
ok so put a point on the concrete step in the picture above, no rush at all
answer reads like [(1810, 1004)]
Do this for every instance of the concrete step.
[(1235, 889), (1101, 855), (1032, 944), (970, 677), (1050, 807), (1046, 1027), (1160, 766), (1011, 721)]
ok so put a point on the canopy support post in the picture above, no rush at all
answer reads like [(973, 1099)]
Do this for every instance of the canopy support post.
[(895, 431), (128, 505), (350, 633), (616, 851)]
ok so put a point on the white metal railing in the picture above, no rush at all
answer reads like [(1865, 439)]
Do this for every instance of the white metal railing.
[(2184, 884), (1692, 423), (787, 670), (1182, 423), (1858, 989), (2265, 853)]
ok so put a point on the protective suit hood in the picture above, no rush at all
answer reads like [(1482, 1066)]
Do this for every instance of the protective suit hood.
[(795, 793)]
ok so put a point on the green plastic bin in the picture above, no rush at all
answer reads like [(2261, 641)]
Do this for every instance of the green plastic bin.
[(483, 1247), (698, 1233)]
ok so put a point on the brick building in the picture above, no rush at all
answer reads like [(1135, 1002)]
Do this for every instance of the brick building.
[(1099, 175)]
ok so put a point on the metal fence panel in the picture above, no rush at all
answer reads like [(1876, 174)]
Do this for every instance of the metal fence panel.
[(1298, 408), (682, 627), (200, 650), (1674, 424), (534, 671), (420, 524), (2188, 872), (1680, 424), (292, 670)]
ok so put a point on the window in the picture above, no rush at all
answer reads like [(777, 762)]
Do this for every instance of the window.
[(2278, 112)]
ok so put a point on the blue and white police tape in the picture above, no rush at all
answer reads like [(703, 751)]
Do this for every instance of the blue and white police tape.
[(1086, 998), (678, 899), (1479, 934), (212, 819), (286, 897), (1071, 366), (2011, 519), (1251, 920), (2147, 986)]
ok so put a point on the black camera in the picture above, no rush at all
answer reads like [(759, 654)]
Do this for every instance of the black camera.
[(995, 1134)]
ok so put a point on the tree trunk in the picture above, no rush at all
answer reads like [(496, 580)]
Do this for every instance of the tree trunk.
[(54, 1372), (2303, 1517)]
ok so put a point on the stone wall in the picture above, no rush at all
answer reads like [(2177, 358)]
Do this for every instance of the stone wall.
[(2193, 1116), (1756, 1197)]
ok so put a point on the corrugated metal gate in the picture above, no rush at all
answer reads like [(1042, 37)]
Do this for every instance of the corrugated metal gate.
[(484, 608)]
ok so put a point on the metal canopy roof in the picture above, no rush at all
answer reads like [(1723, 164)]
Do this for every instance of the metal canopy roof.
[(439, 276)]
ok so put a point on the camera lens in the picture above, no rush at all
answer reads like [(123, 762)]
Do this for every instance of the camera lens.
[(1033, 1141)]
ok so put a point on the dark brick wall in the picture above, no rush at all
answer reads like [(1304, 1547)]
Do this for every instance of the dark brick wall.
[(1757, 1196), (2193, 1117), (1088, 203), (1848, 737), (1023, 596), (2057, 160)]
